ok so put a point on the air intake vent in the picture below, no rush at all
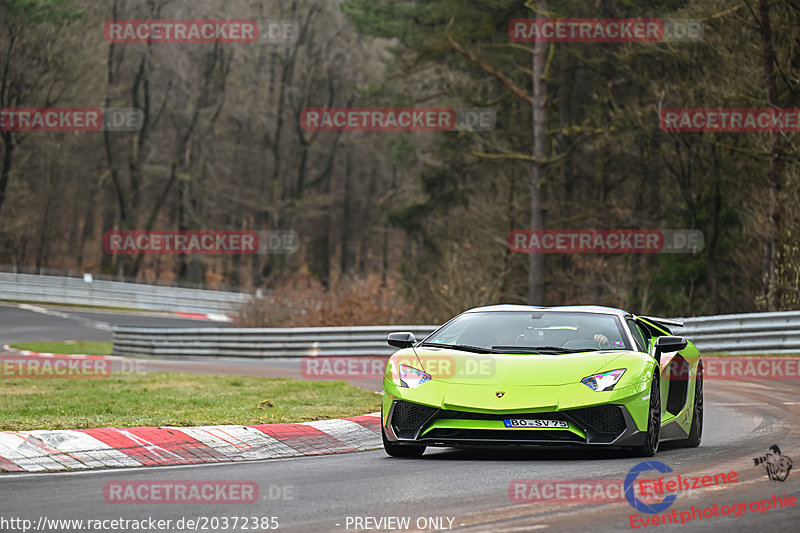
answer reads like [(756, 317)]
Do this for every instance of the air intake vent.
[(410, 416), (605, 419)]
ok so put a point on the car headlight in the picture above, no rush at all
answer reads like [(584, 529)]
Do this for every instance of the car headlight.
[(604, 381), (412, 378)]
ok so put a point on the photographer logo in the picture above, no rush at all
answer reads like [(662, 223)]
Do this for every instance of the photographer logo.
[(776, 464)]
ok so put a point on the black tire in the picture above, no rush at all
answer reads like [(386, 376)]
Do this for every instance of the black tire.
[(696, 429), (401, 450), (650, 446)]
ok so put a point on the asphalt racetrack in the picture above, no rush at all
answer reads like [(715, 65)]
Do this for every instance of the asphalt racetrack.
[(465, 490), (21, 322)]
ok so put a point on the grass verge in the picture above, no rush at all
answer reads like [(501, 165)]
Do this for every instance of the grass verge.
[(67, 347), (174, 399), (79, 306)]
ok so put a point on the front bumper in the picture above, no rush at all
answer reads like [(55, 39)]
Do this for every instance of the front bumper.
[(606, 425), (620, 421)]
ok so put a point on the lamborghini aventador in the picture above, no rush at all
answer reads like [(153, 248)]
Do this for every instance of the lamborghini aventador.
[(512, 375)]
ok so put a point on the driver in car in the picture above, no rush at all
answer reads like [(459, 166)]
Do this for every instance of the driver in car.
[(605, 344), (507, 334), (602, 340)]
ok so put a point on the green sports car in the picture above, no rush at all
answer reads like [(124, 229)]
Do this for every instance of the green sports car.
[(514, 375)]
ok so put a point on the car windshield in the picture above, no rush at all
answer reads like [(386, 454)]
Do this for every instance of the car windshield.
[(533, 332)]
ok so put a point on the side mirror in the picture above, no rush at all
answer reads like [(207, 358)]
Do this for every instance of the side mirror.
[(402, 339), (669, 344)]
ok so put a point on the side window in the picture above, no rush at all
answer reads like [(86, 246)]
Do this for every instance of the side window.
[(638, 337)]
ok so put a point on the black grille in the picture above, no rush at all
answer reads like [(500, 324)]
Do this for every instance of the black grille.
[(606, 419), (463, 415), (602, 423), (500, 436), (678, 388), (410, 416)]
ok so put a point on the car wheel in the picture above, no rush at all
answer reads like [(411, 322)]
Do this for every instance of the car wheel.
[(696, 430), (401, 450), (650, 446)]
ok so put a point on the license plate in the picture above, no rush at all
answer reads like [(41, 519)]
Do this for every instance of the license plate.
[(535, 423)]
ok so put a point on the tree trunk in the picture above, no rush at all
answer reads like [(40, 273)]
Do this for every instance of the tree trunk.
[(5, 173), (772, 289), (344, 268), (536, 261), (8, 138)]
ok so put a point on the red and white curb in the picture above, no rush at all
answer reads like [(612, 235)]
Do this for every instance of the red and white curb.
[(16, 351), (216, 317), (55, 450)]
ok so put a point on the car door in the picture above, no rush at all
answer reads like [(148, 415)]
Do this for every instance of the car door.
[(644, 342), (676, 388)]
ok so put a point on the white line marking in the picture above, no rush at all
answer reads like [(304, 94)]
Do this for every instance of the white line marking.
[(85, 321)]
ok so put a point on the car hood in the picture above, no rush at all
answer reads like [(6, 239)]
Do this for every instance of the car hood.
[(459, 367)]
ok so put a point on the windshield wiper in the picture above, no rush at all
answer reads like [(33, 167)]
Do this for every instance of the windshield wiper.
[(527, 349), (462, 347), (542, 350)]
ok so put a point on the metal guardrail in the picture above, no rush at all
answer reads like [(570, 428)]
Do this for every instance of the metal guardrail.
[(259, 342), (67, 290), (740, 334), (745, 333), (62, 273)]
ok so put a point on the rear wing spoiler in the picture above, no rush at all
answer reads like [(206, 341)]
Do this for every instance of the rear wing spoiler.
[(664, 322)]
